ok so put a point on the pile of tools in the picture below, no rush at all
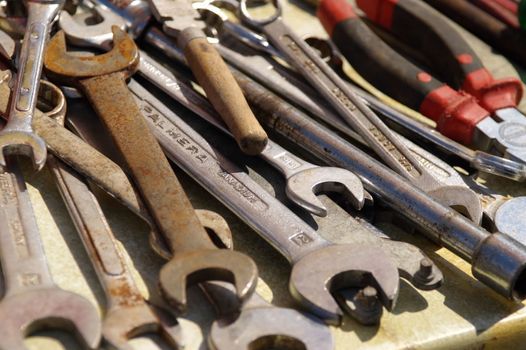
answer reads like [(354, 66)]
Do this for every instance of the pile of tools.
[(244, 75)]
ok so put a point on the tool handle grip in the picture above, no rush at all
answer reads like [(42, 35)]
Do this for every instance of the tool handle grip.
[(451, 56), (223, 91), (455, 114), (499, 11)]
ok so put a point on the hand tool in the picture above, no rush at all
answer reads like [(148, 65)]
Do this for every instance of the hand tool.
[(127, 313), (302, 177), (497, 260), (31, 300), (102, 79), (18, 137), (485, 26), (458, 115), (352, 110), (273, 221), (258, 323), (179, 19)]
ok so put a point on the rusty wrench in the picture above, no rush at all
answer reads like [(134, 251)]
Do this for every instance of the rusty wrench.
[(127, 314), (194, 259), (32, 301), (302, 177), (18, 135)]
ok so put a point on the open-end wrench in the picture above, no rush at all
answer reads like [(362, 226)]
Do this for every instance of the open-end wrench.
[(497, 260), (102, 79), (355, 113), (18, 136), (127, 313), (181, 20), (283, 229), (32, 301), (302, 177)]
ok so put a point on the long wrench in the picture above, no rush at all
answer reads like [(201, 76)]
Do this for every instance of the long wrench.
[(283, 229), (353, 111), (102, 79), (18, 135), (127, 313)]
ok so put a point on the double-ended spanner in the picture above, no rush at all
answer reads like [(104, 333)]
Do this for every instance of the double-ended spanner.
[(102, 79)]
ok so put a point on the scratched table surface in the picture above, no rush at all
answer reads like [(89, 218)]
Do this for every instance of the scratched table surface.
[(461, 314)]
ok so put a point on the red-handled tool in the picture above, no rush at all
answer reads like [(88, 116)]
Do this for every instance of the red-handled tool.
[(501, 11), (458, 115)]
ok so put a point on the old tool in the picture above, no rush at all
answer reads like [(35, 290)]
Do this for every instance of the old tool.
[(458, 115), (497, 260), (31, 300), (179, 19), (127, 313), (18, 136), (267, 216), (354, 112), (302, 177), (258, 324), (102, 79)]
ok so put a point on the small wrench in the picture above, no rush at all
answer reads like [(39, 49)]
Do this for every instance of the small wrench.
[(302, 177), (127, 314), (102, 78), (32, 301), (18, 136)]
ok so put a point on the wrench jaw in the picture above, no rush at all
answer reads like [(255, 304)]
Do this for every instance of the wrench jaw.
[(325, 271), (64, 67), (25, 143), (23, 314), (462, 199), (206, 265), (121, 325), (303, 187), (262, 328)]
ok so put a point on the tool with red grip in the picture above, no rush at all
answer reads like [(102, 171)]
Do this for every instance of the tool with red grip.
[(462, 116)]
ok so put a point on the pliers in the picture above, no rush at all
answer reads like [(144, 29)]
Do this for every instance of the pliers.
[(475, 109)]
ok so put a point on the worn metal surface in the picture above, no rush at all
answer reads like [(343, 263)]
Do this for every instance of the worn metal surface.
[(462, 314), (102, 79)]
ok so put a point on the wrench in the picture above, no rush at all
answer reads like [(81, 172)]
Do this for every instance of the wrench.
[(127, 313), (102, 79), (32, 301), (273, 221), (497, 260), (302, 177), (354, 112), (18, 136)]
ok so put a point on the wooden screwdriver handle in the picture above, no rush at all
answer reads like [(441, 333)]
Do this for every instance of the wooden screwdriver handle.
[(222, 90)]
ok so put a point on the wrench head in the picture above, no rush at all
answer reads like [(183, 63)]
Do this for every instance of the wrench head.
[(24, 313), (24, 143), (303, 186), (96, 35), (262, 328), (67, 68), (206, 265), (122, 324), (343, 266), (462, 199)]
